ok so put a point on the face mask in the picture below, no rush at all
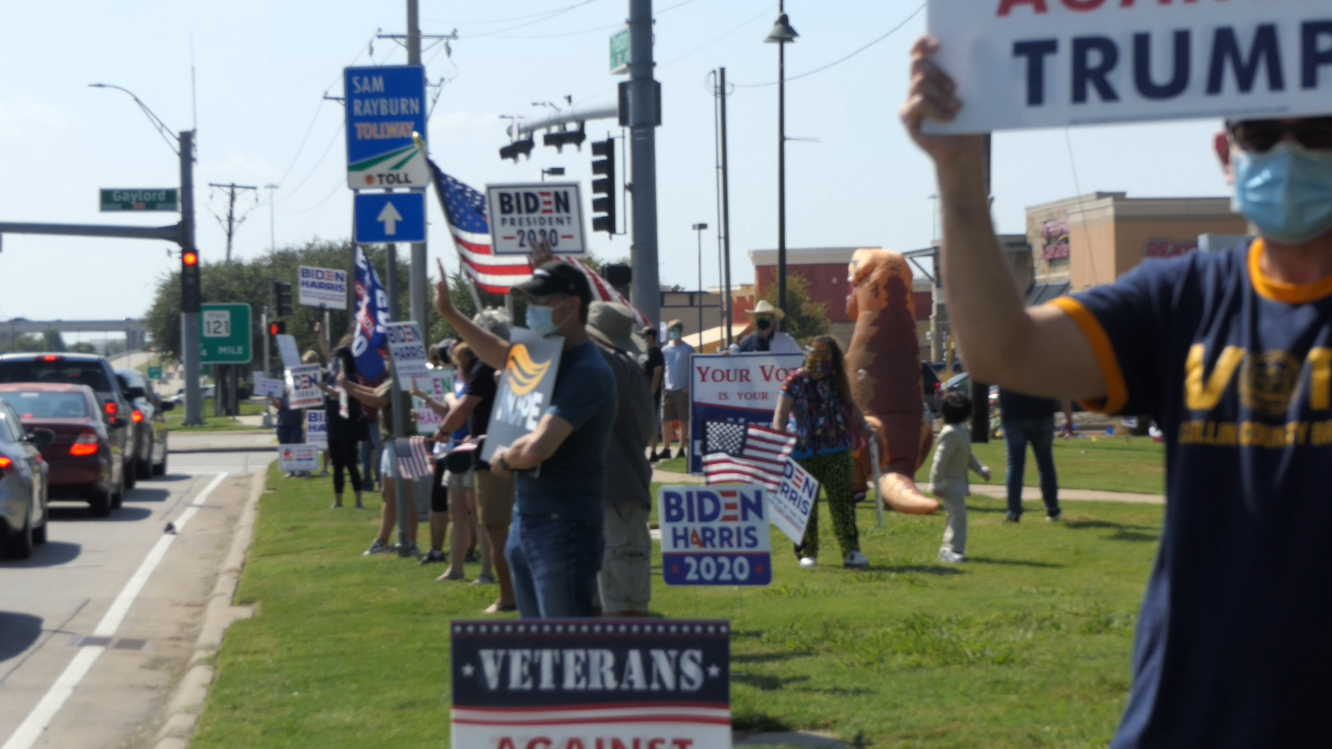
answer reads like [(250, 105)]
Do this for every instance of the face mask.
[(762, 323), (1286, 192), (673, 334), (539, 320)]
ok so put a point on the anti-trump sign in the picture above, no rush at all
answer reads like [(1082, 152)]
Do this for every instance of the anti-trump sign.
[(303, 387), (316, 428), (794, 499), (591, 684), (715, 535), (525, 388), (735, 389), (323, 287), (1050, 63), (407, 349)]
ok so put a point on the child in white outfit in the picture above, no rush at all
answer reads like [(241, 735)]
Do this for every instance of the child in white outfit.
[(948, 475)]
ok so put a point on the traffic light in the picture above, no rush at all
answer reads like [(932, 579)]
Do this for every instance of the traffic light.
[(619, 275), (603, 189), (277, 328), (282, 298), (518, 148), (566, 138), (191, 299)]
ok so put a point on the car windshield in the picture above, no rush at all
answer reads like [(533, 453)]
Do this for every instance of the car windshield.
[(41, 405), (88, 373)]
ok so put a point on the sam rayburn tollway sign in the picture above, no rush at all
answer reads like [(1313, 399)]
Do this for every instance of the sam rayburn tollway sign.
[(385, 105)]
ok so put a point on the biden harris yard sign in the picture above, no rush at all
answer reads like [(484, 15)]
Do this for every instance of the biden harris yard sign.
[(1051, 63), (714, 535), (591, 684)]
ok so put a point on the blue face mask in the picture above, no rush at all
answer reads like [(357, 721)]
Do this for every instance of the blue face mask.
[(1286, 192), (539, 320)]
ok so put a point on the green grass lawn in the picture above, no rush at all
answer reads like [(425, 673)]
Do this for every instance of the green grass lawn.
[(1113, 464), (175, 418), (1026, 644)]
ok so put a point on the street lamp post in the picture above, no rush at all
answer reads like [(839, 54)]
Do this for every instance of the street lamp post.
[(698, 230), (781, 35)]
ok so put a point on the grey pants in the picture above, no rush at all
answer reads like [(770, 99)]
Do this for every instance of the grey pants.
[(626, 572), (955, 532)]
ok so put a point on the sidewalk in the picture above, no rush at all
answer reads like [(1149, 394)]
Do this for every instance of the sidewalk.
[(1031, 493)]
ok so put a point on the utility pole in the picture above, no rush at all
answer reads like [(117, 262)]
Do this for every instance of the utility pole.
[(726, 213), (642, 125), (190, 346), (230, 224), (272, 224), (417, 281)]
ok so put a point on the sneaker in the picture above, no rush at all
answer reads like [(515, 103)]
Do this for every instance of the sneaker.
[(1056, 517), (446, 577), (485, 578), (410, 550), (378, 548), (497, 608), (432, 558), (853, 561), (1012, 518), (472, 557), (858, 497), (951, 557), (808, 563), (682, 454)]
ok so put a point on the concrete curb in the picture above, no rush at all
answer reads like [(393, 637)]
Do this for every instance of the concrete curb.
[(182, 712)]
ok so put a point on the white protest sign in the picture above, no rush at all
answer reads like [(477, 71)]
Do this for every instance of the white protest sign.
[(789, 507), (1051, 63), (302, 384), (408, 353), (323, 287), (522, 214), (296, 458), (734, 389), (268, 386), (291, 355), (436, 385), (316, 428)]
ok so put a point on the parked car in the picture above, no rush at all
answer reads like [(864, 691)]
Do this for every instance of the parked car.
[(23, 486), (148, 422), (933, 388), (205, 392), (84, 460), (82, 369), (940, 366), (962, 383)]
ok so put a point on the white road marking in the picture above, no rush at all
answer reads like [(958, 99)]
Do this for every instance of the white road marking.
[(41, 716)]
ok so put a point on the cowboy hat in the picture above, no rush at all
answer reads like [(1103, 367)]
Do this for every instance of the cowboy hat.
[(613, 325), (765, 308)]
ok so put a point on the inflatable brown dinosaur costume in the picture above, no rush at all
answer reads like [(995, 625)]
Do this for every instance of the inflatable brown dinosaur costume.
[(884, 366)]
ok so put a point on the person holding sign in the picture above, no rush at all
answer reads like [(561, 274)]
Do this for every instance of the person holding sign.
[(346, 425), (815, 405), (1230, 353), (556, 541), (382, 398)]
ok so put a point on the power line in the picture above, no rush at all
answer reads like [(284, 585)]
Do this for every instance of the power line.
[(839, 61), (546, 17), (514, 18), (705, 45)]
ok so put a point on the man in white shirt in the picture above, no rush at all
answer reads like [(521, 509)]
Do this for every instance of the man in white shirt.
[(675, 389)]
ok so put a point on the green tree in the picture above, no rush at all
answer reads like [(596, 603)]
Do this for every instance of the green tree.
[(53, 341), (805, 318)]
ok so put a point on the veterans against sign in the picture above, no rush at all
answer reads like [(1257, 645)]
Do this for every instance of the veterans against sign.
[(303, 388), (323, 287), (521, 214), (525, 388), (715, 535), (1048, 63), (408, 353), (736, 389), (591, 684)]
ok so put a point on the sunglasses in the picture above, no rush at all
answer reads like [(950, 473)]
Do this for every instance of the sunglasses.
[(1261, 136)]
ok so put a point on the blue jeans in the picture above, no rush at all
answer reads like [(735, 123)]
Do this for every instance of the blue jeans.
[(370, 449), (290, 435), (1040, 433), (554, 564)]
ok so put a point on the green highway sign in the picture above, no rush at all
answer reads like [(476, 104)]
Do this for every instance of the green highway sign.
[(154, 373), (164, 199), (619, 52), (224, 334)]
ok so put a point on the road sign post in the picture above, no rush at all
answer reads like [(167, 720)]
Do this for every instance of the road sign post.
[(154, 373), (224, 334), (166, 199), (385, 106), (619, 52)]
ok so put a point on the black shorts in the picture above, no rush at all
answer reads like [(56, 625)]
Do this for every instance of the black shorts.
[(439, 492)]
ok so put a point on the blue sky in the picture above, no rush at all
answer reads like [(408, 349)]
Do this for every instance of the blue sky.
[(263, 68)]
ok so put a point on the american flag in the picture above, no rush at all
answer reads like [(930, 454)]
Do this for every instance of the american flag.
[(745, 453), (465, 210), (413, 457)]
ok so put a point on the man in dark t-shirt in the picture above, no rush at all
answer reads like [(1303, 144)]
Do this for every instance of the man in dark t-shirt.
[(654, 367), (1027, 420)]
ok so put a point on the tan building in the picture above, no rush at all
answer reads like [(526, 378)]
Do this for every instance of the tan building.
[(1094, 239)]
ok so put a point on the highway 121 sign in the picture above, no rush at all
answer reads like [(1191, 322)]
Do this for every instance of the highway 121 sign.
[(385, 105)]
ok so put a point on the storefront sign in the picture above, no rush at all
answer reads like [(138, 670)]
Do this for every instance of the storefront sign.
[(316, 429), (1163, 248), (736, 390), (715, 535), (525, 389), (297, 458), (1052, 63), (1055, 242), (303, 387), (407, 350), (791, 504), (591, 684)]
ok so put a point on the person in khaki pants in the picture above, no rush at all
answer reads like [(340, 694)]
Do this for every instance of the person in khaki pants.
[(948, 475)]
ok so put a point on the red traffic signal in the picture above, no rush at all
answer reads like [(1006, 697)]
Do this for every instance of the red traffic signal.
[(278, 327), (189, 258)]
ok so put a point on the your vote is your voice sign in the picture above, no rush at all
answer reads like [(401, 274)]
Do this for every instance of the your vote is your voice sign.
[(1050, 63), (714, 535)]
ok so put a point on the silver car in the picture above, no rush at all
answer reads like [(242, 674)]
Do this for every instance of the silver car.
[(23, 486)]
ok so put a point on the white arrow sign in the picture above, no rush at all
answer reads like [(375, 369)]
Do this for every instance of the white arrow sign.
[(390, 218)]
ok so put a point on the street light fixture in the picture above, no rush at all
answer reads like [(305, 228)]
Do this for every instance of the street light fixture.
[(554, 171), (698, 230), (782, 34)]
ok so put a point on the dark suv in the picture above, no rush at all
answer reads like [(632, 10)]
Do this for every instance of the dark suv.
[(82, 369)]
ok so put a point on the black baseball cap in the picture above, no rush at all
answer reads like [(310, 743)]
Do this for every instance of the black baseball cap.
[(557, 277)]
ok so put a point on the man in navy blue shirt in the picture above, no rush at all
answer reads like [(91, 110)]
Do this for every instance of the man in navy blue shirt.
[(1231, 353), (556, 542)]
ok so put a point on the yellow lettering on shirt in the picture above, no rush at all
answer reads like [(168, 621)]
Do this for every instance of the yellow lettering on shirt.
[(1200, 397)]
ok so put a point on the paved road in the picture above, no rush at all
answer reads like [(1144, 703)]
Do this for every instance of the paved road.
[(117, 578)]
